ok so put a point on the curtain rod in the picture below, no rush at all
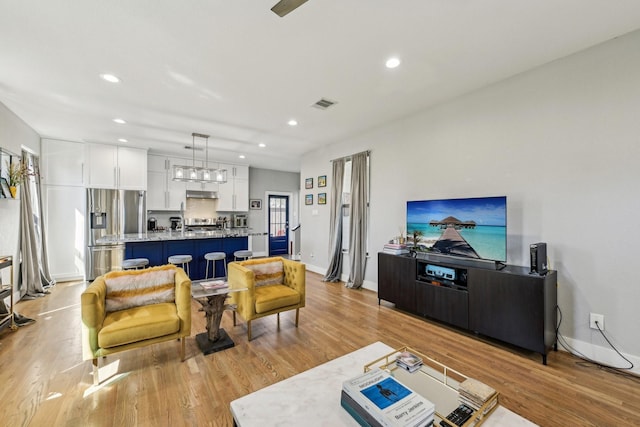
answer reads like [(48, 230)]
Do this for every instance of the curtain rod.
[(350, 155)]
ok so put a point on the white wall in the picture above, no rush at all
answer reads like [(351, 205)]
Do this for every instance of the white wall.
[(14, 134), (263, 182), (562, 143)]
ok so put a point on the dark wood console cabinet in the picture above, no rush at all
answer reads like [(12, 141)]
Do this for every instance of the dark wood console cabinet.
[(509, 304), (399, 275)]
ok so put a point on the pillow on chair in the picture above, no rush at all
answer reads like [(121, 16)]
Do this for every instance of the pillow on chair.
[(134, 288), (268, 272)]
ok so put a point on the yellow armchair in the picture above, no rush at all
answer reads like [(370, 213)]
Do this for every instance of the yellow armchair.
[(273, 285), (124, 310)]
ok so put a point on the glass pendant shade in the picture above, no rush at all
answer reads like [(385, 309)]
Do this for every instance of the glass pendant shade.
[(220, 176)]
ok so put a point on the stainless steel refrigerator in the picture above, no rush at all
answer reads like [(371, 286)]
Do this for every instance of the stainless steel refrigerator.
[(110, 215)]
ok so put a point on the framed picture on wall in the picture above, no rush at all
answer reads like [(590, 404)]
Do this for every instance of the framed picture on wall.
[(255, 203), (308, 183), (308, 199), (322, 181), (322, 198), (6, 193)]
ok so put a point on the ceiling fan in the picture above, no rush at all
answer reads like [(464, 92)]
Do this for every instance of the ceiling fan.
[(285, 6)]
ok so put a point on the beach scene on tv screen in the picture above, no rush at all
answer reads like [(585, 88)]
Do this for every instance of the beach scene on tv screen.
[(471, 228)]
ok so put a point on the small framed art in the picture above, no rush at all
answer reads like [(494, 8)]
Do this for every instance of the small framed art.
[(308, 183), (322, 198), (5, 188), (322, 181), (255, 204), (308, 199)]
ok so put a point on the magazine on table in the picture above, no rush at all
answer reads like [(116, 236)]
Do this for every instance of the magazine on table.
[(390, 402), (214, 284)]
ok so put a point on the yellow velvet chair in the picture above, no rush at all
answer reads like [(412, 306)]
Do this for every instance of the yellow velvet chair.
[(123, 310), (273, 285)]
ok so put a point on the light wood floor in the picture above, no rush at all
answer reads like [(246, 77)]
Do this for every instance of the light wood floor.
[(44, 381)]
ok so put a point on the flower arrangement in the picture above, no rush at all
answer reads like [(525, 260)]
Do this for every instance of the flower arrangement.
[(17, 173)]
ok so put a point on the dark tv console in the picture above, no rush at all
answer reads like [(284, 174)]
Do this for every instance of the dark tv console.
[(508, 304)]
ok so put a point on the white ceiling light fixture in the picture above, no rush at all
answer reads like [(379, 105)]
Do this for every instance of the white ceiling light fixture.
[(110, 78), (195, 173), (120, 121), (123, 140), (292, 122), (392, 62), (242, 156), (262, 145)]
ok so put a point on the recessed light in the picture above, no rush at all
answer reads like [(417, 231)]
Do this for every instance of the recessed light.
[(392, 62), (110, 78), (241, 156), (120, 121), (262, 145), (123, 140), (292, 122)]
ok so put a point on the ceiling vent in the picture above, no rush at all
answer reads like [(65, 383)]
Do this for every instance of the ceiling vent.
[(324, 103)]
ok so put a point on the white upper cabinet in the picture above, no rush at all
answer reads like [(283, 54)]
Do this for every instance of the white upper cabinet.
[(132, 168), (111, 166), (62, 163), (102, 165), (234, 194)]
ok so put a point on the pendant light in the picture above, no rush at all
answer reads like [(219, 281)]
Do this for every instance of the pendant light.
[(195, 173)]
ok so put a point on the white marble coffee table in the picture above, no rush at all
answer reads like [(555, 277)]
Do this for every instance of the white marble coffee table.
[(312, 398)]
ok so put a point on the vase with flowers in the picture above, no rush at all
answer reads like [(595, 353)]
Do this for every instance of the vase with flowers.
[(17, 173)]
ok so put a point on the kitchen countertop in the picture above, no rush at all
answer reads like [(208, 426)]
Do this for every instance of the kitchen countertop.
[(155, 236)]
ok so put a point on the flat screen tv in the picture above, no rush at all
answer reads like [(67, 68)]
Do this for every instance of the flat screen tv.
[(468, 228)]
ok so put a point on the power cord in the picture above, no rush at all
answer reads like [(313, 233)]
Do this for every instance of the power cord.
[(577, 353)]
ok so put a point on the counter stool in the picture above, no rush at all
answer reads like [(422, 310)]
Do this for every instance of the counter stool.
[(181, 260), (213, 257), (134, 263), (244, 254)]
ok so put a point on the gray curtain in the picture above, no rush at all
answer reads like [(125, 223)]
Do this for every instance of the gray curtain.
[(34, 263), (335, 225), (358, 220)]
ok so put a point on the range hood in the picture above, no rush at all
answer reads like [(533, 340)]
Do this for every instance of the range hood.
[(195, 194)]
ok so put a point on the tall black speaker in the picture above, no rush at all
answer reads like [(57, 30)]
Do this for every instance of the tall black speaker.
[(538, 252)]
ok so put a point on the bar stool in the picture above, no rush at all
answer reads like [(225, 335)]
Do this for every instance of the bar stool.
[(134, 263), (213, 257), (244, 254), (181, 260)]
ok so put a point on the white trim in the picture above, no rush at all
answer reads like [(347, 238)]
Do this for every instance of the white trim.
[(603, 355), (30, 150)]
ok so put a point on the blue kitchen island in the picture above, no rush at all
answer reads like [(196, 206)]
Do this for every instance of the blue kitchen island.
[(157, 247)]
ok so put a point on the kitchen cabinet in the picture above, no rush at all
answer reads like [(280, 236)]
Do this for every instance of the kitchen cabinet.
[(62, 162), (157, 252), (234, 194), (116, 167), (65, 227), (163, 192)]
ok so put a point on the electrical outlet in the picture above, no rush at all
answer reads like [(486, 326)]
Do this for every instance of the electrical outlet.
[(593, 318)]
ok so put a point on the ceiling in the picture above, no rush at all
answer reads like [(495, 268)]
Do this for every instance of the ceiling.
[(236, 71)]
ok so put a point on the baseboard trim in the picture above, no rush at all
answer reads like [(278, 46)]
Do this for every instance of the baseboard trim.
[(603, 355)]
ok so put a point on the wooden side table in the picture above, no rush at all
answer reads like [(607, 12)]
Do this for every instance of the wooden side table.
[(213, 305)]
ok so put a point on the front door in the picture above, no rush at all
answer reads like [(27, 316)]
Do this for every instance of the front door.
[(278, 225)]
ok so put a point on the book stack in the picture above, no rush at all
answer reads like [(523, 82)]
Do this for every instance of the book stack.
[(377, 399), (395, 249), (477, 395), (408, 361)]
